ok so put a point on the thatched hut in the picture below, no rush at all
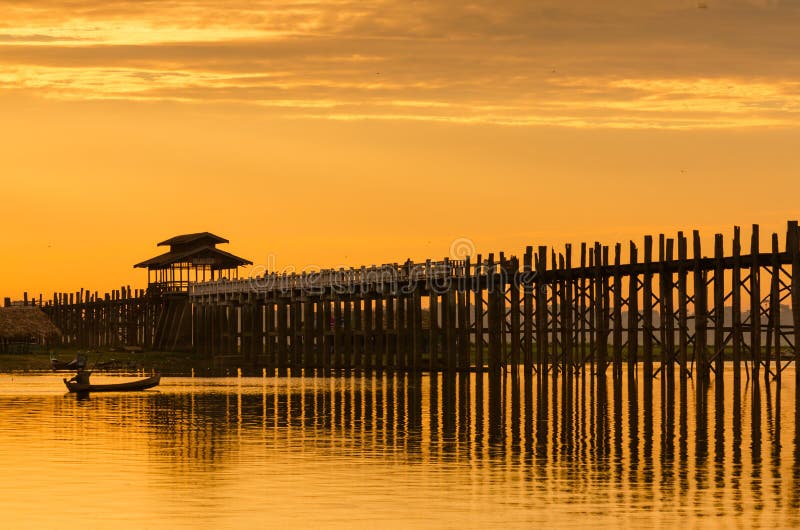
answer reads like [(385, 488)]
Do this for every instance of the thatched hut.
[(22, 326)]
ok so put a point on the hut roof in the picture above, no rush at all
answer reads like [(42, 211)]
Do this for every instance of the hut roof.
[(24, 322)]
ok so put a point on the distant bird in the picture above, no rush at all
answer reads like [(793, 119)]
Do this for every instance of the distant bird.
[(702, 5)]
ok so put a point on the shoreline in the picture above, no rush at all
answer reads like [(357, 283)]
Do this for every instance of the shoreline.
[(174, 364), (178, 364)]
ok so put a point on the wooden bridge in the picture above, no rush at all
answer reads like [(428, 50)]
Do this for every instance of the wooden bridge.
[(670, 306)]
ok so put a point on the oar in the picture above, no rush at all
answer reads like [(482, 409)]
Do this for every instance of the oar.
[(99, 356)]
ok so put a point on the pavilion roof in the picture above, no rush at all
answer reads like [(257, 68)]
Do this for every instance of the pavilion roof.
[(190, 238), (206, 255)]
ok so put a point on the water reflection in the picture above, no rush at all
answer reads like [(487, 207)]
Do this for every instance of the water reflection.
[(537, 447)]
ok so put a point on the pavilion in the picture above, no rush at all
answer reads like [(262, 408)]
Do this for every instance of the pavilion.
[(191, 258)]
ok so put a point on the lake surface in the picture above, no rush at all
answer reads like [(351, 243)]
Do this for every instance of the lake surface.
[(397, 451)]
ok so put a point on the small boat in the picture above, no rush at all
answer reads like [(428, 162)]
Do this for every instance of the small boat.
[(78, 363), (139, 384)]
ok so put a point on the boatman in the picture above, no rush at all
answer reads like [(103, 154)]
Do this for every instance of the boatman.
[(82, 377)]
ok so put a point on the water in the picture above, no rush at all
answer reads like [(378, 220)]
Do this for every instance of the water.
[(396, 451)]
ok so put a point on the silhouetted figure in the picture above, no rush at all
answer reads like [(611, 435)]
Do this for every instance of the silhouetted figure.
[(82, 377)]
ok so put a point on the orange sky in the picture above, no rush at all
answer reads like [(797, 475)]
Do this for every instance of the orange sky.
[(347, 133)]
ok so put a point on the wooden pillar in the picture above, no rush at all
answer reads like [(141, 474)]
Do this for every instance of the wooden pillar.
[(379, 353), (391, 332), (513, 277), (449, 324), (775, 314), (282, 308), (368, 357), (683, 315), (554, 292), (755, 303), (666, 286), (494, 318), (719, 319), (296, 333), (601, 308), (479, 285), (270, 332), (540, 290), (338, 333), (700, 319), (417, 331), (400, 332), (358, 331), (585, 351), (736, 310), (567, 321), (347, 333), (633, 313), (325, 327), (527, 309), (466, 332), (308, 358), (617, 315), (462, 325), (793, 244)]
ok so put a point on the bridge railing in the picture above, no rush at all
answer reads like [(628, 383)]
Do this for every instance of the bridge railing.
[(388, 274)]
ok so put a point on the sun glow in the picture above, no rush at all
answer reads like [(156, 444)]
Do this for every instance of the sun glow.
[(343, 132)]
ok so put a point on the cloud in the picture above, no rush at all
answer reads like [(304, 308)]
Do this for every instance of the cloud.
[(576, 64), (33, 38)]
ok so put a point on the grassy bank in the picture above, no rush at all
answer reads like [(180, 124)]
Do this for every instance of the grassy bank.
[(185, 363)]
